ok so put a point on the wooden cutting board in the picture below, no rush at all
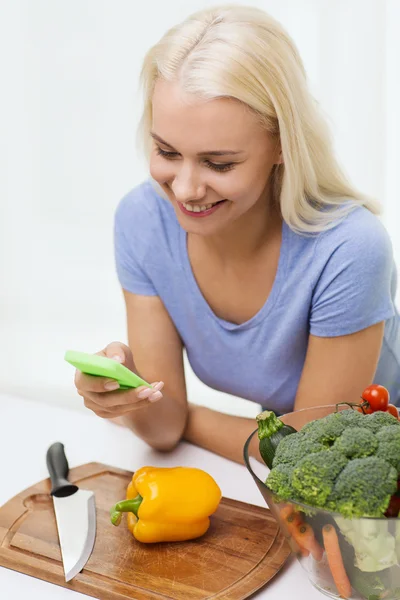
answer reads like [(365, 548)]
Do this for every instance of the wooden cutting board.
[(242, 550)]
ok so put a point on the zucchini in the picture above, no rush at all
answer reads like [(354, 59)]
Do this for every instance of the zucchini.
[(271, 431)]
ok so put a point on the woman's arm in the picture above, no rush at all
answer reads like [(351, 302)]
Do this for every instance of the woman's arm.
[(158, 355), (221, 433), (338, 369)]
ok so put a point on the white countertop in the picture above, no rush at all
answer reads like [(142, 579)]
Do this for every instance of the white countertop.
[(28, 428)]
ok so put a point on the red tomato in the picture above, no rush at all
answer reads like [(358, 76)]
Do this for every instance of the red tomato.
[(377, 397), (392, 409), (394, 507), (367, 410)]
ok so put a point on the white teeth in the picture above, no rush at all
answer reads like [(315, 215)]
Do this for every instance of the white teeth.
[(197, 207)]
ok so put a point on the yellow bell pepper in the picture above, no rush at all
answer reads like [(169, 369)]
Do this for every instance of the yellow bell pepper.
[(168, 504)]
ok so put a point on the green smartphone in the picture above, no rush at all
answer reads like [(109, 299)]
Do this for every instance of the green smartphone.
[(92, 364)]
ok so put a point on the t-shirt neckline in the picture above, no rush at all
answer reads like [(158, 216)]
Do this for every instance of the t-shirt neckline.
[(268, 304)]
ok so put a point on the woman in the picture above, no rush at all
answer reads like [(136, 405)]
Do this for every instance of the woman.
[(247, 246)]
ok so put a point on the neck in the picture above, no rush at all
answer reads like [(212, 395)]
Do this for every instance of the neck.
[(244, 238)]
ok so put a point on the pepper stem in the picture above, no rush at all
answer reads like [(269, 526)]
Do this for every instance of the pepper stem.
[(130, 505), (268, 424)]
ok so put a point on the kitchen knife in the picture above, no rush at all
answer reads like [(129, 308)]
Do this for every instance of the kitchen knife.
[(75, 511)]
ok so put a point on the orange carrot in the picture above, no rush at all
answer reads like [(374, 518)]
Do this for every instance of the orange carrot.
[(307, 539), (286, 511), (335, 561), (293, 520), (294, 532)]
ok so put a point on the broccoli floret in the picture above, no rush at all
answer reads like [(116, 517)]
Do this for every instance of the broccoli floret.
[(356, 442), (292, 448), (279, 481), (314, 476), (308, 427), (352, 418), (325, 430), (379, 419), (364, 488), (389, 445)]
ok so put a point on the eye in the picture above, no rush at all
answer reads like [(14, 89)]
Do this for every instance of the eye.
[(216, 167)]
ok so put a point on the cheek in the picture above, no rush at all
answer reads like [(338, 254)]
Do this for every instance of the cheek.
[(253, 181), (242, 187), (245, 188), (160, 170)]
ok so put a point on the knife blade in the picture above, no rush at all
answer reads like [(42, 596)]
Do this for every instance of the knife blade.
[(75, 511)]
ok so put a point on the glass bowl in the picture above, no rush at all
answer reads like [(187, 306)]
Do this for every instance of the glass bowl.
[(369, 548)]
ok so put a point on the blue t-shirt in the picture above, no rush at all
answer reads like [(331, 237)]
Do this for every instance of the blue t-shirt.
[(330, 284)]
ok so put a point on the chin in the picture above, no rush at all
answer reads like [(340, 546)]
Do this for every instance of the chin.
[(199, 226)]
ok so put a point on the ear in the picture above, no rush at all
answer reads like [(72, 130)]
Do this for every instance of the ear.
[(278, 150), (279, 160)]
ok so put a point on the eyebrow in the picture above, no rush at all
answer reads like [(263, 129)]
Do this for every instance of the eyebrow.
[(209, 153)]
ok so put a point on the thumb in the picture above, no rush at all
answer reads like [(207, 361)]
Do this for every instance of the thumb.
[(119, 352)]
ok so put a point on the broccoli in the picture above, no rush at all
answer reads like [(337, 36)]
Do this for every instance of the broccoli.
[(379, 419), (325, 430), (352, 418), (279, 481), (347, 463), (314, 476), (389, 445), (363, 488), (356, 442), (292, 448)]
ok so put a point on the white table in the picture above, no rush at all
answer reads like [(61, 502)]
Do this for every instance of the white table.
[(27, 430)]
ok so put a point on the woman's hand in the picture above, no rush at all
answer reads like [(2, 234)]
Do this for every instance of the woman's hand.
[(103, 396)]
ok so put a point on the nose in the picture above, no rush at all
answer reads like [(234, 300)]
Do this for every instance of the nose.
[(187, 186)]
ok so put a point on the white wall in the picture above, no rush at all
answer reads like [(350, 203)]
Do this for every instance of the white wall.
[(69, 109)]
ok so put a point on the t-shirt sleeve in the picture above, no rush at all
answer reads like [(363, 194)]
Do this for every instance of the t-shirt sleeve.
[(353, 290), (130, 244)]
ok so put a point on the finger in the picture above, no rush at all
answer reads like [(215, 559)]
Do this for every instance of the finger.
[(129, 397), (119, 352), (104, 414), (93, 383), (151, 394), (93, 402)]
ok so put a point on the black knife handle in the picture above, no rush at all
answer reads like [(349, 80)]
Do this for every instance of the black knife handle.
[(57, 465)]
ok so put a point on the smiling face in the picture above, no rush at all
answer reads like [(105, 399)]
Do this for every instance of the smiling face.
[(212, 159)]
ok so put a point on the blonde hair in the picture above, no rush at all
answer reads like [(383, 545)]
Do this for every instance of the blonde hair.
[(241, 52)]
